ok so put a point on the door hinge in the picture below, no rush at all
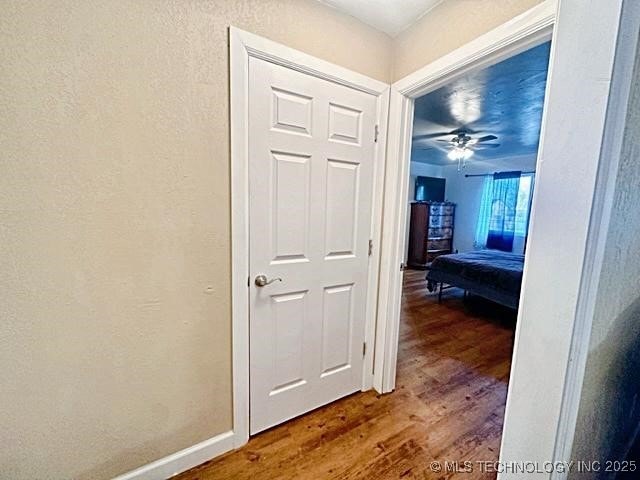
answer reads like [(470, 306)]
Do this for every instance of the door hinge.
[(370, 247), (364, 348), (248, 281), (376, 131), (402, 266)]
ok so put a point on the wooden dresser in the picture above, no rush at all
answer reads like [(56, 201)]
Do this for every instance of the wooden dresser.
[(430, 232)]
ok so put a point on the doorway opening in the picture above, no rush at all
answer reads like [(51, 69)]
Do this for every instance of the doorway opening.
[(471, 179)]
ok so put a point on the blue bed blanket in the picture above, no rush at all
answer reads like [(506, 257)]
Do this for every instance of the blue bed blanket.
[(491, 273)]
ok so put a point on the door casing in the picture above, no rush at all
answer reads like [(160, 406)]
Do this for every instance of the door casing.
[(242, 46)]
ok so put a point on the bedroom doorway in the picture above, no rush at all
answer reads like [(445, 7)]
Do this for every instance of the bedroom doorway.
[(472, 171), (570, 205)]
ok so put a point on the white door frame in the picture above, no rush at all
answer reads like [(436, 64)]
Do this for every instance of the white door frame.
[(244, 45), (569, 215)]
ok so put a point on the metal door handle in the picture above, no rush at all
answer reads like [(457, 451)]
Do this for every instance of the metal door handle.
[(261, 280)]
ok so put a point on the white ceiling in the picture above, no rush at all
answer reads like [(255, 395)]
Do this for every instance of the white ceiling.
[(389, 16)]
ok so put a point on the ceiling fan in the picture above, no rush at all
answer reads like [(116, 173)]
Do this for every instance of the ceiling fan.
[(462, 144)]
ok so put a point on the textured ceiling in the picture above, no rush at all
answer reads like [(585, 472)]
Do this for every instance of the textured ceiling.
[(389, 16), (504, 100)]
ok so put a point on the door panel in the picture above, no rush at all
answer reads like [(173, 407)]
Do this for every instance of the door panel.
[(287, 330), (291, 111), (344, 124), (311, 153), (342, 202), (337, 328), (290, 207)]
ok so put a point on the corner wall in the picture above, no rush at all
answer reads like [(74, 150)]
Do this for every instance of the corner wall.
[(448, 26)]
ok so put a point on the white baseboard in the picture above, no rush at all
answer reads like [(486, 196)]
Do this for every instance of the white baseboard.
[(183, 460)]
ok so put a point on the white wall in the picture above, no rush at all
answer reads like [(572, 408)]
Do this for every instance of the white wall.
[(553, 310), (466, 193)]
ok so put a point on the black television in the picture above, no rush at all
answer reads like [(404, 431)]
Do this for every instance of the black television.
[(429, 189)]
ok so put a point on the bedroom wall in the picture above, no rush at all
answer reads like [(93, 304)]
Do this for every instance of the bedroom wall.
[(114, 221), (448, 26), (609, 414), (466, 193)]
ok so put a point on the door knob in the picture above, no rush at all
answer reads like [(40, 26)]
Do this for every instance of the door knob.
[(261, 280)]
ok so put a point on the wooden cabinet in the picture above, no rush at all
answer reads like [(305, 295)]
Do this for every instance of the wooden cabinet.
[(430, 232)]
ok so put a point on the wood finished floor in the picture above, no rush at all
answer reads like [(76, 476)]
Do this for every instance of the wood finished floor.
[(453, 367)]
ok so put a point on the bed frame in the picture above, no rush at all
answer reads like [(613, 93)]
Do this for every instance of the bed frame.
[(437, 278)]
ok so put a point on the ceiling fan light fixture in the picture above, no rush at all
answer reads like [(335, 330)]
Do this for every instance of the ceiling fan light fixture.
[(453, 154), (460, 153)]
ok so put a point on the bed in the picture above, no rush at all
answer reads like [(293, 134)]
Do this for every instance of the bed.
[(491, 274)]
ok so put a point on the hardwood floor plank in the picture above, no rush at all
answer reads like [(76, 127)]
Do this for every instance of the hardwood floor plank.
[(453, 366)]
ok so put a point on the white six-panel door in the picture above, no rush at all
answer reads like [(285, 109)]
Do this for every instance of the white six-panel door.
[(311, 154)]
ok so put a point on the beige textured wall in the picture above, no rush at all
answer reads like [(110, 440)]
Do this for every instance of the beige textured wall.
[(448, 26), (114, 221), (609, 413)]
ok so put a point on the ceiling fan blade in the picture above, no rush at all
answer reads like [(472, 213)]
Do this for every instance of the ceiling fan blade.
[(486, 138), (486, 145), (444, 141), (466, 131), (432, 135)]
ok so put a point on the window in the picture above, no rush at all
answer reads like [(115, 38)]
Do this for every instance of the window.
[(523, 204), (504, 211)]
